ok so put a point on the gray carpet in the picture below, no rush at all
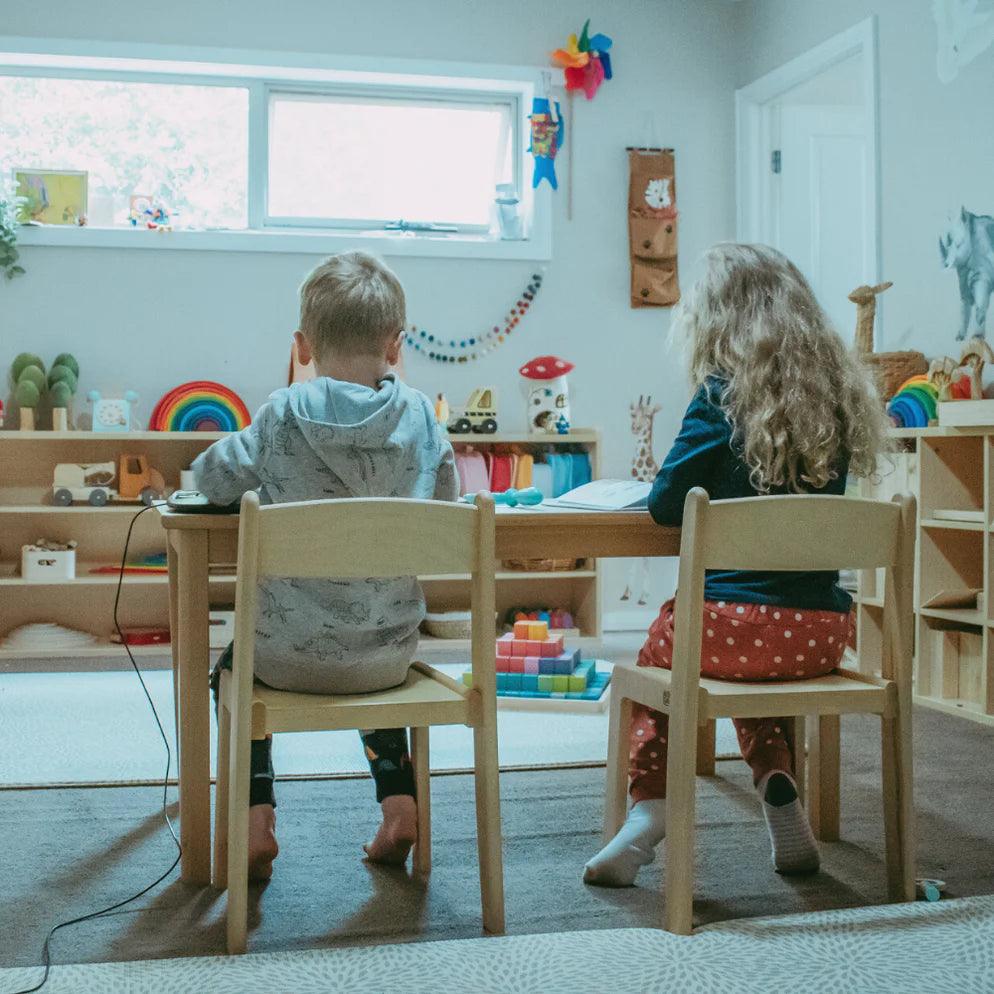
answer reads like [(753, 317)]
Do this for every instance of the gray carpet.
[(68, 851)]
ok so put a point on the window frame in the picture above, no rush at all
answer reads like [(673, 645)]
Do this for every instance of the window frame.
[(266, 74)]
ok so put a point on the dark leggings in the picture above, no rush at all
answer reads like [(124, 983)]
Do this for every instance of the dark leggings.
[(386, 749)]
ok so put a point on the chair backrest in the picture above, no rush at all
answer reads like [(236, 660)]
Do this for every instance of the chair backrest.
[(360, 538), (794, 533), (365, 537)]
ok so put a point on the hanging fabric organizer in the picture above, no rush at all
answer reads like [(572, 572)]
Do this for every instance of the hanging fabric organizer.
[(652, 227)]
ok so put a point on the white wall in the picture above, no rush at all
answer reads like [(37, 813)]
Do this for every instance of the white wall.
[(149, 320), (936, 144)]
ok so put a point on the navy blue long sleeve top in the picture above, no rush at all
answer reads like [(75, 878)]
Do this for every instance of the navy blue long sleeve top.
[(703, 456)]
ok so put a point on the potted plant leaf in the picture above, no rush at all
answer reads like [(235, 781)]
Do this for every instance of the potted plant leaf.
[(10, 204)]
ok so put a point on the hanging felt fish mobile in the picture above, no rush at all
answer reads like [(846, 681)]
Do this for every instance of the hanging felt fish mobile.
[(586, 61), (547, 132)]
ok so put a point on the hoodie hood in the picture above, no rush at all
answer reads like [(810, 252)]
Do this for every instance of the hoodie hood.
[(346, 424)]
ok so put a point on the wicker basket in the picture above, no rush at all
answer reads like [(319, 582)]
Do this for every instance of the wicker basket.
[(543, 565), (891, 369)]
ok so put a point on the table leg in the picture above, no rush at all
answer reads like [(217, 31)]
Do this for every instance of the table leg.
[(824, 777), (173, 635), (193, 662)]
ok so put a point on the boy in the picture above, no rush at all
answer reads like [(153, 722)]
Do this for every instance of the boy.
[(354, 431)]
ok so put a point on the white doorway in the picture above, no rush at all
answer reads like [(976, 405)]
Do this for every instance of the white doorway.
[(807, 167)]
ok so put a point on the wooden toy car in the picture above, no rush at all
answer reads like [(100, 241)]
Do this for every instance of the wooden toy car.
[(93, 482), (479, 415)]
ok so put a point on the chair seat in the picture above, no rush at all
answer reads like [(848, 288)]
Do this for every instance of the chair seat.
[(842, 692), (426, 697)]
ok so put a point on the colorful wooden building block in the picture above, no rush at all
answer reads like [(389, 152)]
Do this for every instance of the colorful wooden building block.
[(529, 682), (512, 681), (505, 645), (538, 630), (552, 646), (545, 683), (517, 664), (522, 629), (560, 684), (532, 664)]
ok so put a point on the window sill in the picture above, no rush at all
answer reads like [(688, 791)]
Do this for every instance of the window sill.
[(538, 247)]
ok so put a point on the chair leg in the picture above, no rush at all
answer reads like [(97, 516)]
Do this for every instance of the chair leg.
[(681, 765), (706, 734), (221, 798), (422, 782), (618, 747), (240, 753), (823, 778), (800, 750), (898, 811), (488, 827)]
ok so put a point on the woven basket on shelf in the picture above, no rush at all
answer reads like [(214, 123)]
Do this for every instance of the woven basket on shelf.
[(891, 369), (543, 565)]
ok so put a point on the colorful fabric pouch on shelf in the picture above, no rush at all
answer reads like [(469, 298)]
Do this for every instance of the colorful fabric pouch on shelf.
[(542, 478), (523, 471), (501, 473), (581, 470), (472, 470), (562, 472)]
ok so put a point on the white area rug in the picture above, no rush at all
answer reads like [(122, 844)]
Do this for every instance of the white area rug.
[(97, 727), (909, 948)]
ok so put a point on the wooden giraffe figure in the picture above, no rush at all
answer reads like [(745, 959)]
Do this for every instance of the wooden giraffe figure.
[(644, 468)]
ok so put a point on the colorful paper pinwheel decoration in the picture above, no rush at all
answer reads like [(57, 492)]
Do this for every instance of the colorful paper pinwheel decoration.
[(586, 63)]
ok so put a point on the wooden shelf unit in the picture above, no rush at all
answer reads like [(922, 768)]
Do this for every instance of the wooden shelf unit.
[(950, 472), (27, 460)]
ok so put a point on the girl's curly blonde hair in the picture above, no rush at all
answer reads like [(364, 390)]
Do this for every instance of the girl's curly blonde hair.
[(799, 402)]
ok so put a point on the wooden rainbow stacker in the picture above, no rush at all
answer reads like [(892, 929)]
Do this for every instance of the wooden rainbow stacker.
[(534, 665)]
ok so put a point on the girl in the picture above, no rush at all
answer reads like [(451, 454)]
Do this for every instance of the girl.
[(781, 406)]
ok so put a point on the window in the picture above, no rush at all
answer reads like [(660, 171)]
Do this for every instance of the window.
[(350, 160), (184, 146), (291, 153)]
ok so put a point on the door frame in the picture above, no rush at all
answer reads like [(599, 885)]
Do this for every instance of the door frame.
[(754, 126)]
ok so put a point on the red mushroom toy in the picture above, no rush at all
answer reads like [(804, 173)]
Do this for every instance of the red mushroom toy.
[(548, 394)]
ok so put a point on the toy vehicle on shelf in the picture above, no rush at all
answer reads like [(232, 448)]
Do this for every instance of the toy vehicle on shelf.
[(478, 416), (93, 483)]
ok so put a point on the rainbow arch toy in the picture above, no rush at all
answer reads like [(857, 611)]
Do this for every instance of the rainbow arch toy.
[(200, 405), (913, 406)]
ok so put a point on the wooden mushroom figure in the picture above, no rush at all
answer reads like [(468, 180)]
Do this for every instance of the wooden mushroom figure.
[(976, 352), (940, 375), (865, 299)]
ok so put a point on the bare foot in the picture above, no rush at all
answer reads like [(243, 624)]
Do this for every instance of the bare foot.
[(262, 845), (397, 833)]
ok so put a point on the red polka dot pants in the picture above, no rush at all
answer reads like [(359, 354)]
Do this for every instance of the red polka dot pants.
[(739, 642)]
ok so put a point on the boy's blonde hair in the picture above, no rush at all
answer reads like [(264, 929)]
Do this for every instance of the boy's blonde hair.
[(352, 304), (798, 401)]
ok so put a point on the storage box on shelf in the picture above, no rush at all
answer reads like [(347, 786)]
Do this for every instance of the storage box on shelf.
[(951, 472), (27, 461)]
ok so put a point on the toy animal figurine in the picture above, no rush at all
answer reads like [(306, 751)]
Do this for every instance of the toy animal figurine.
[(528, 497), (548, 393), (442, 411), (968, 247), (865, 299), (112, 414), (644, 468), (940, 375), (976, 352)]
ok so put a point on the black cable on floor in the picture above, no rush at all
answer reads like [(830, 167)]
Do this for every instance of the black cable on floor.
[(47, 948)]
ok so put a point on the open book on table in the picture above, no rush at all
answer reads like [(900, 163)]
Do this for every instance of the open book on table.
[(605, 495)]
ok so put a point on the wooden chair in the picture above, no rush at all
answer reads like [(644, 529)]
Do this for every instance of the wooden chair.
[(774, 533), (361, 538)]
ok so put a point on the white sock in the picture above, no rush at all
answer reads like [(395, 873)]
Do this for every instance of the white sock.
[(794, 849), (633, 847)]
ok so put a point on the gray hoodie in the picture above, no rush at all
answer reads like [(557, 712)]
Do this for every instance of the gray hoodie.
[(321, 439)]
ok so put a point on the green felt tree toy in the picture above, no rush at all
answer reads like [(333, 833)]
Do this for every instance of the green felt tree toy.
[(27, 374), (63, 379)]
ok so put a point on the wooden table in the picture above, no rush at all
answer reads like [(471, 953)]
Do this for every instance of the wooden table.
[(196, 541)]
